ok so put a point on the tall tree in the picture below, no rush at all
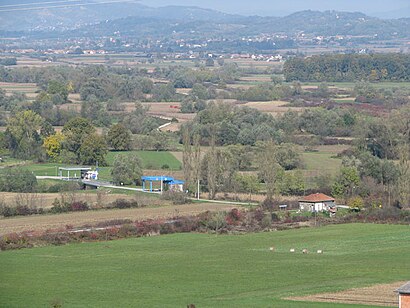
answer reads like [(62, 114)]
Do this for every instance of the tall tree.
[(22, 134), (187, 159), (93, 150), (76, 131), (269, 169), (119, 137), (212, 167), (126, 169)]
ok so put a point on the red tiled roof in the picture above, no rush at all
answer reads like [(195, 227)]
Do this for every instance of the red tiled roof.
[(318, 197)]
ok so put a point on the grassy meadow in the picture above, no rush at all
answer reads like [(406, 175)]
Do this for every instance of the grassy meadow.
[(150, 160), (207, 270)]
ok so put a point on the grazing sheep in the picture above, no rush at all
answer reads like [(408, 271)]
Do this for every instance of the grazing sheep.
[(305, 251), (292, 250), (272, 248), (319, 251)]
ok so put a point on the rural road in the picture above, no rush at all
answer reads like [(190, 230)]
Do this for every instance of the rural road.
[(109, 185)]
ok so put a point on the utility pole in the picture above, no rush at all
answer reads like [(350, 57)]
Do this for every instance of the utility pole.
[(197, 191)]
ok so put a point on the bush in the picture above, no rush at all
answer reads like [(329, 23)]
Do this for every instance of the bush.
[(17, 180), (124, 204), (62, 207), (78, 206), (266, 221), (176, 197), (216, 221), (355, 203), (7, 211)]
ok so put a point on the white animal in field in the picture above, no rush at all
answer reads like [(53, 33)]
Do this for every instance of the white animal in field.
[(292, 250), (320, 251), (272, 248), (305, 251)]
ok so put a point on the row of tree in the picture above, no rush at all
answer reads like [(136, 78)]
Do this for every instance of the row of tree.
[(349, 67)]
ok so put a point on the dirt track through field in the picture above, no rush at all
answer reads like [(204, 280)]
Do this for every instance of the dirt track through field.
[(377, 295), (77, 219)]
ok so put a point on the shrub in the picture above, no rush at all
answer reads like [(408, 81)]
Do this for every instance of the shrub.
[(124, 204), (17, 180), (176, 197), (216, 221), (7, 211), (78, 206), (266, 221), (114, 222), (355, 203)]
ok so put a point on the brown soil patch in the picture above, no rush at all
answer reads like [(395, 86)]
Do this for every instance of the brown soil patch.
[(256, 78), (77, 219), (166, 110), (174, 127), (178, 155), (377, 295), (184, 91), (273, 107), (72, 106)]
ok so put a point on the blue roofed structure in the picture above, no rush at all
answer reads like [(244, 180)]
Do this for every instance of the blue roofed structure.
[(167, 181)]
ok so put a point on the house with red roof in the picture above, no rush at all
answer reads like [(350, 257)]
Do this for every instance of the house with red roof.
[(404, 295), (317, 203)]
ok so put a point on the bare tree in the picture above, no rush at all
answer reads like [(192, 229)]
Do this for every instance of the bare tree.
[(212, 170), (269, 169), (187, 158)]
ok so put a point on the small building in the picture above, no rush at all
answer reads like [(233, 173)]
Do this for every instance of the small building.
[(404, 295), (317, 203), (166, 183), (76, 172)]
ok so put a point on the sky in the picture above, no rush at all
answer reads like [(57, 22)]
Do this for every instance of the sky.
[(284, 7)]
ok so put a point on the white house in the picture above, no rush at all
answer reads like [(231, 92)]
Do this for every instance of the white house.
[(317, 203)]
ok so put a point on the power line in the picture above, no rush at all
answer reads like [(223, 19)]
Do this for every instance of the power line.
[(65, 6), (36, 3)]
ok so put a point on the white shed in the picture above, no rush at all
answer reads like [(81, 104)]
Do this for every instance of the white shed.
[(317, 203)]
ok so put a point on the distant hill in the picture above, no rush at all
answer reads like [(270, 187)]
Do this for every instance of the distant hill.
[(139, 20), (72, 17), (194, 22)]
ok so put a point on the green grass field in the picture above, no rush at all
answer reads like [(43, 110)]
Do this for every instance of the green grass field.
[(321, 162), (207, 270), (150, 160)]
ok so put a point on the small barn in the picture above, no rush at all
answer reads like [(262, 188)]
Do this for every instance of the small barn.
[(404, 295), (317, 203)]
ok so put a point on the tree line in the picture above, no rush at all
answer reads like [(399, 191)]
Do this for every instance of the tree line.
[(349, 67)]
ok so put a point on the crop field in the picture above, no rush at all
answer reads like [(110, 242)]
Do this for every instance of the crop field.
[(29, 89), (274, 108), (157, 209), (321, 162), (208, 270)]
